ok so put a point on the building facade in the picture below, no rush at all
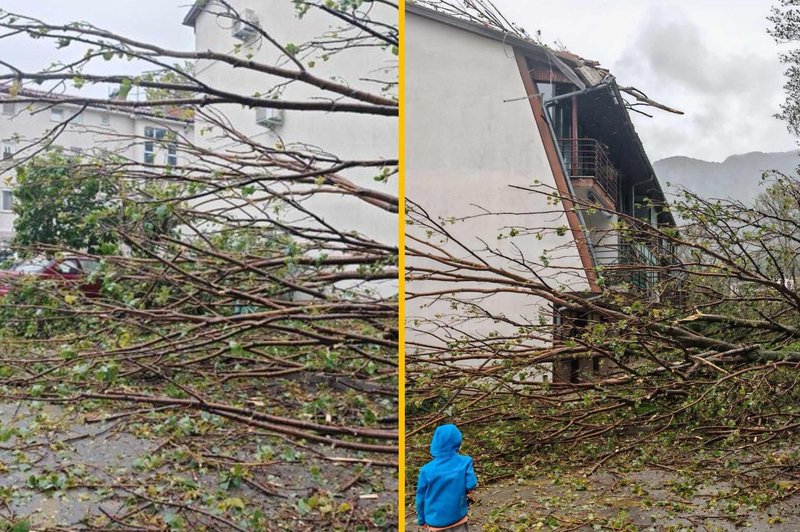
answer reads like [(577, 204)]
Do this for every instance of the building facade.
[(94, 131), (502, 116), (344, 136)]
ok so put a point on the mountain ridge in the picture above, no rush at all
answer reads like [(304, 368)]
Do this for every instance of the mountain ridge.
[(738, 177)]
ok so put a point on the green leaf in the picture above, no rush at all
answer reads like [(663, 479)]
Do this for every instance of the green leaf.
[(20, 526), (232, 502), (124, 89), (292, 49)]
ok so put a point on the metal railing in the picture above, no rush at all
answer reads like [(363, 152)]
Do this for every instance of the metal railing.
[(645, 265), (587, 159)]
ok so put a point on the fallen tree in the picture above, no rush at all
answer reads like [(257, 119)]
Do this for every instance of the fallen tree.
[(231, 308), (695, 349)]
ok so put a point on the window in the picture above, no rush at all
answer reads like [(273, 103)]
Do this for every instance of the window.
[(172, 155), (105, 119), (560, 112), (7, 200), (8, 150), (76, 119), (152, 135), (9, 108), (56, 114)]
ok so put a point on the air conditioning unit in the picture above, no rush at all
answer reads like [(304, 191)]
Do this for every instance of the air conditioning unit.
[(269, 117), (242, 31)]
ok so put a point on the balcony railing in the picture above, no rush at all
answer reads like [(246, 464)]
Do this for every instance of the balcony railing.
[(586, 159), (645, 265)]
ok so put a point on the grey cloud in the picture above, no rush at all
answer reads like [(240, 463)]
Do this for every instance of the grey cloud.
[(710, 58), (671, 49), (729, 96)]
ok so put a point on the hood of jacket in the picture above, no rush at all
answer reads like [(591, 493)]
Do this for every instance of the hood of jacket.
[(446, 441)]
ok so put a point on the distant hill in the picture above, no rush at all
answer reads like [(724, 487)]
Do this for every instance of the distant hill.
[(737, 177)]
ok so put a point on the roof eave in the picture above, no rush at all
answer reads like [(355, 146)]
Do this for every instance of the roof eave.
[(110, 108), (528, 48), (640, 147), (194, 12)]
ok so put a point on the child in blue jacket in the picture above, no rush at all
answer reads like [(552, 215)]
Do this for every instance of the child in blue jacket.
[(443, 483)]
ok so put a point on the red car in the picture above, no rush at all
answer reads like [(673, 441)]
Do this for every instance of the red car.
[(71, 271)]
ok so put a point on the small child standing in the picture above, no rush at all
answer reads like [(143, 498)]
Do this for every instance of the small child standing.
[(443, 483)]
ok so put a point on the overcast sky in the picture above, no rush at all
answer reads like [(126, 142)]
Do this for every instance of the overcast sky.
[(155, 21), (711, 59)]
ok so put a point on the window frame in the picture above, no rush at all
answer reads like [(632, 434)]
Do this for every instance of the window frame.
[(8, 146), (152, 136), (56, 111), (6, 193)]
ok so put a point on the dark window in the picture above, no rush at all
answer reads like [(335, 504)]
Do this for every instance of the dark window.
[(561, 111), (149, 152), (172, 155)]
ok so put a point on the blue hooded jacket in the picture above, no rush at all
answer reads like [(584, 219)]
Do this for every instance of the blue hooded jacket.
[(443, 482)]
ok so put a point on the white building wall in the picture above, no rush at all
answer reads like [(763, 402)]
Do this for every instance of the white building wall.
[(347, 135), (602, 229), (465, 147)]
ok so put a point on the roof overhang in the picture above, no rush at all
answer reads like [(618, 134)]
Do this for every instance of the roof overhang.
[(581, 72), (194, 12), (605, 117), (77, 102)]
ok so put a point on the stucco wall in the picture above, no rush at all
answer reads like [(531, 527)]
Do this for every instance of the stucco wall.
[(344, 134), (602, 228), (465, 148)]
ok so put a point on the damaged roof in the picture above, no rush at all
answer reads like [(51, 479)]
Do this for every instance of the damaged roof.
[(585, 74)]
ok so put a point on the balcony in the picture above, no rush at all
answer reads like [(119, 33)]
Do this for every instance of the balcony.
[(590, 169), (647, 266)]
